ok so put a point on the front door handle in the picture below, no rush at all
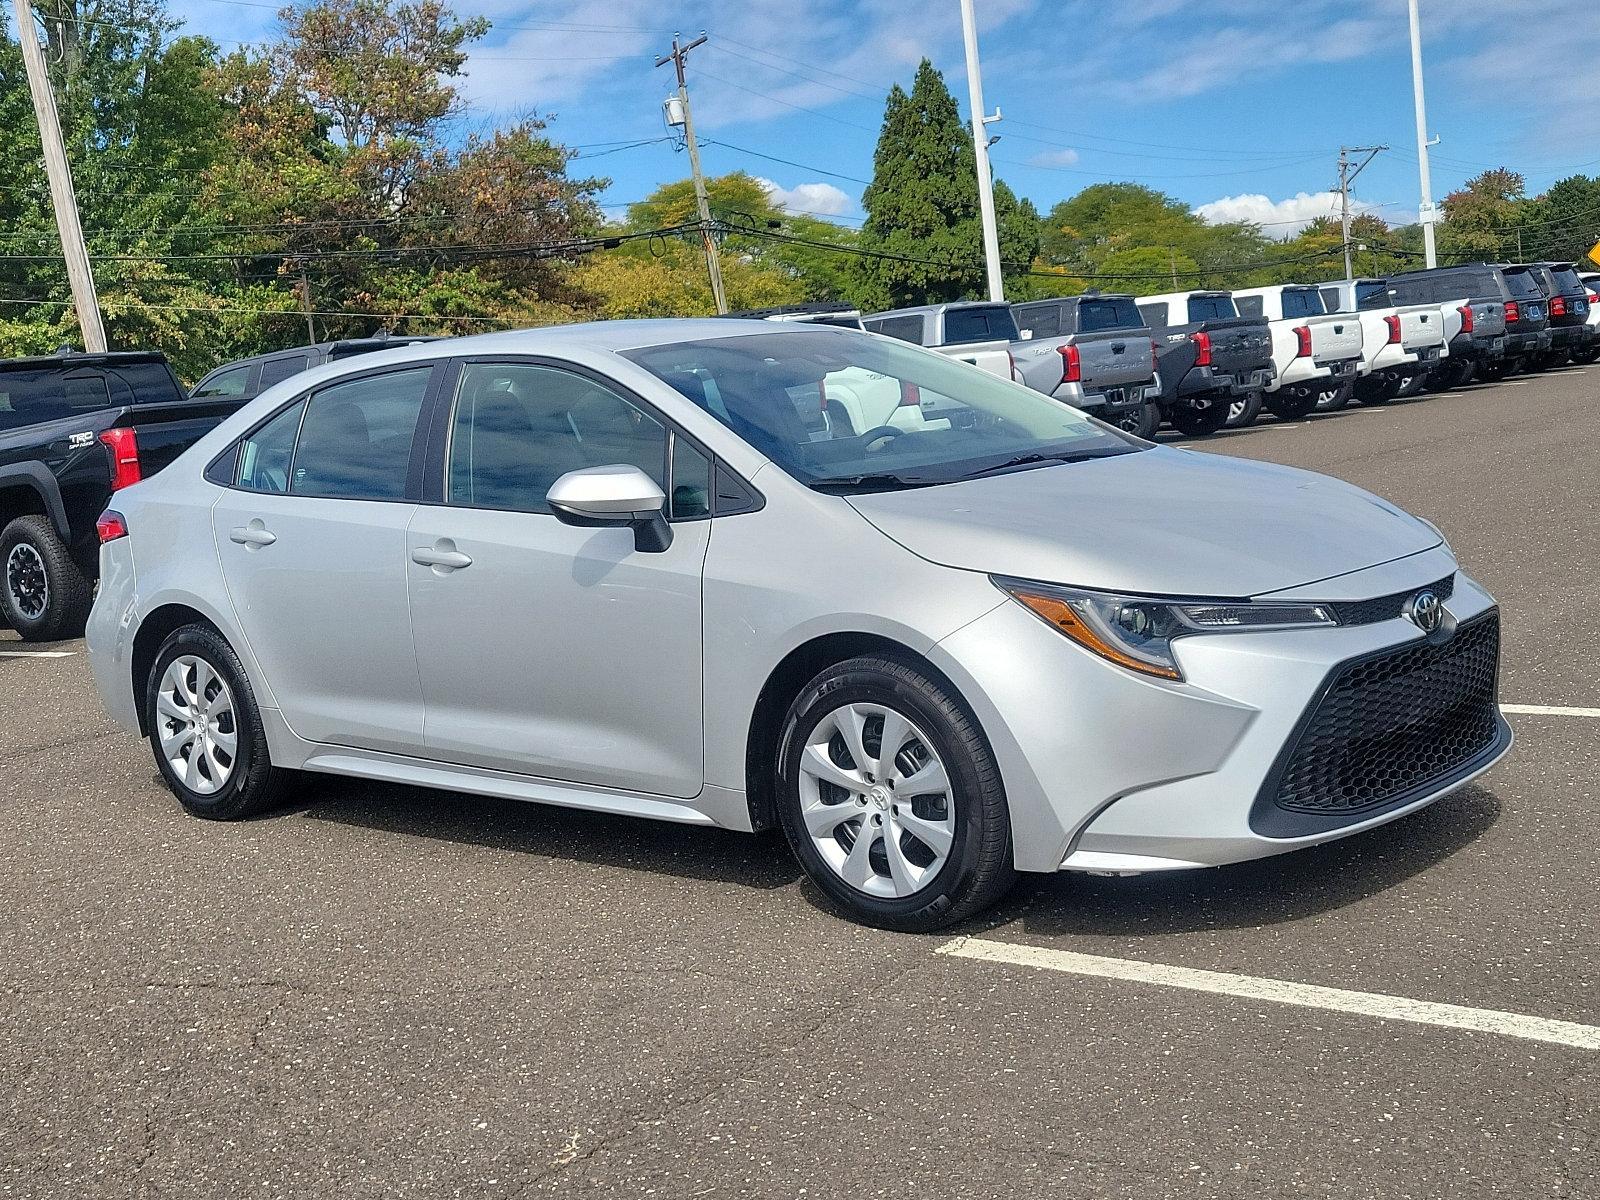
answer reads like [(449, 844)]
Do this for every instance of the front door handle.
[(442, 557), (253, 536)]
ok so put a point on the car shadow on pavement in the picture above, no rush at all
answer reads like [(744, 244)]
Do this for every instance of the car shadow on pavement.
[(1268, 891), (605, 839)]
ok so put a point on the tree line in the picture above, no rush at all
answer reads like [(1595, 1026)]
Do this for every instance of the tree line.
[(329, 183)]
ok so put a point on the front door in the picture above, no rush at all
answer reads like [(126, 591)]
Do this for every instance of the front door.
[(312, 540), (544, 649)]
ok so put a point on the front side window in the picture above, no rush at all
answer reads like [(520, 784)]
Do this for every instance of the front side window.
[(355, 441), (517, 428), (265, 455), (232, 382), (914, 418)]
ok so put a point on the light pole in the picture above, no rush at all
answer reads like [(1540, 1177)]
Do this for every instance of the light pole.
[(980, 150), (1426, 213)]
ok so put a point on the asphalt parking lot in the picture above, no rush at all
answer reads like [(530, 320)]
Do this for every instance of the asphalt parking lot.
[(385, 992)]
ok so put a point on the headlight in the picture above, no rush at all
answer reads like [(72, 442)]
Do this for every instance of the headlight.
[(1137, 633)]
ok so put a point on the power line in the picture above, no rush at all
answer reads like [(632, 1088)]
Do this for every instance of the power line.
[(785, 161)]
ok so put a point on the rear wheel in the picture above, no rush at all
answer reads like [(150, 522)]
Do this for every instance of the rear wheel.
[(1200, 417), (1374, 390), (1335, 398), (891, 798), (205, 728), (1496, 370), (45, 596), (1244, 410), (1289, 405), (1142, 421), (1587, 355)]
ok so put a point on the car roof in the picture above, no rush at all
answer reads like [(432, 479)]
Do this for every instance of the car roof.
[(918, 309), (79, 358)]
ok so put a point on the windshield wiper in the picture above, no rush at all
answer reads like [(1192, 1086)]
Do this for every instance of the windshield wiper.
[(880, 482), (1034, 459)]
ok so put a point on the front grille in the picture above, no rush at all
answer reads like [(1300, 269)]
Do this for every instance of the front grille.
[(1386, 608), (1393, 725)]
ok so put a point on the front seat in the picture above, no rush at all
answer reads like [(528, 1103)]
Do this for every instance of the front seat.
[(334, 457)]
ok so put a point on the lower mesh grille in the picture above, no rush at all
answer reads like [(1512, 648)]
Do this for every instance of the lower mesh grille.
[(1394, 723)]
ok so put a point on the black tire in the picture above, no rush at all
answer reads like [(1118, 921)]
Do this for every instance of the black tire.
[(44, 595), (1192, 420), (1587, 355), (1373, 391), (978, 869), (1142, 422), (1242, 413), (1494, 372), (1293, 405), (253, 783), (1448, 375), (1335, 400)]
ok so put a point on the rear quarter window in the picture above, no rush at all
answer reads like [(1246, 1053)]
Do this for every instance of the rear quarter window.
[(1094, 315), (1043, 321), (1368, 295), (1301, 302), (276, 370), (1250, 306), (150, 383), (1155, 315), (906, 329)]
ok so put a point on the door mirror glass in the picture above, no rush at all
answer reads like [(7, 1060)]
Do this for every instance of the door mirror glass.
[(614, 496)]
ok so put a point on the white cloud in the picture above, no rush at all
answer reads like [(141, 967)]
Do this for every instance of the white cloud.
[(1278, 218), (1064, 157), (818, 199)]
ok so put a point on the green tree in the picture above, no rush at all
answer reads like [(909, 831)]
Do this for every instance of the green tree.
[(1481, 218)]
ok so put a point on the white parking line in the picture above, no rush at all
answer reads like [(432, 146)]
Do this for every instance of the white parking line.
[(1278, 991), (1549, 710), (37, 653)]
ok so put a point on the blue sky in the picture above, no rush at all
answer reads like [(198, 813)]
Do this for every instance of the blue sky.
[(1237, 107)]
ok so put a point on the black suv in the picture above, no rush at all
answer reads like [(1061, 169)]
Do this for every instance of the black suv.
[(1527, 329), (246, 378), (1567, 301), (73, 428)]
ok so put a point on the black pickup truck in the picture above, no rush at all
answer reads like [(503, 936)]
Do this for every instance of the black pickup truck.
[(74, 428), (1207, 357)]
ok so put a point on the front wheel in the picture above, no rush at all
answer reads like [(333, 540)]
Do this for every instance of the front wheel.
[(1201, 417), (891, 799), (1244, 410), (205, 728)]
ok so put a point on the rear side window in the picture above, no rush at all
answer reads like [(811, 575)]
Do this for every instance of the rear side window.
[(1155, 315), (150, 383), (1251, 306), (234, 382), (85, 393), (1095, 315), (31, 397), (963, 326), (355, 441), (1211, 308), (1301, 302), (1368, 295), (276, 370), (907, 329), (1330, 299), (1042, 322)]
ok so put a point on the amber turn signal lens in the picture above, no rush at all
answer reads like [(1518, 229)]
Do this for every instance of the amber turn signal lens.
[(1065, 618)]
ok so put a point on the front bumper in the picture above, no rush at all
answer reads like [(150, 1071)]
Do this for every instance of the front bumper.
[(1109, 771)]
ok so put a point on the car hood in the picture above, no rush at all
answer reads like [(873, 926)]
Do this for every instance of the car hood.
[(1160, 522)]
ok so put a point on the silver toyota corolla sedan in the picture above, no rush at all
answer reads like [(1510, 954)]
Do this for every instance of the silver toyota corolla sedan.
[(937, 626)]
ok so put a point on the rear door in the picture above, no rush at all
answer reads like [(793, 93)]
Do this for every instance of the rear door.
[(312, 540)]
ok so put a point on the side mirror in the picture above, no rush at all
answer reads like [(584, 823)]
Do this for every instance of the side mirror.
[(614, 497)]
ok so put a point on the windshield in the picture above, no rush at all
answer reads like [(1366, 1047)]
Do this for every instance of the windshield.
[(836, 408)]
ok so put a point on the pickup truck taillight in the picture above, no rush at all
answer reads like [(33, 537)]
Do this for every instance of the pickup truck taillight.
[(1202, 349), (1513, 312), (124, 447), (1393, 323), (111, 526), (1071, 364), (1466, 318), (1558, 306), (1302, 339), (1012, 359), (910, 395)]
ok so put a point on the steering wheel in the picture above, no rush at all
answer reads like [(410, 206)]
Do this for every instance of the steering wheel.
[(879, 433)]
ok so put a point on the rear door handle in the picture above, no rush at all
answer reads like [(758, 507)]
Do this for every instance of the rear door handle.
[(253, 535), (444, 559)]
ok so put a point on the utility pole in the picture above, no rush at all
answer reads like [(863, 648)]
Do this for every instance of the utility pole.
[(305, 304), (62, 198), (1426, 213), (680, 53), (1346, 178), (980, 148)]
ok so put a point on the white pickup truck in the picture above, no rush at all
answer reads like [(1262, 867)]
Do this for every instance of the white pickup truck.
[(1313, 351), (977, 332), (1398, 342)]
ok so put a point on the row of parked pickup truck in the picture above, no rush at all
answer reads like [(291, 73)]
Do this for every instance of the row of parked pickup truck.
[(1202, 360)]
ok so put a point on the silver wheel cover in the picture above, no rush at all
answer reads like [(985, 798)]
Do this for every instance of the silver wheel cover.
[(197, 725), (876, 800)]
